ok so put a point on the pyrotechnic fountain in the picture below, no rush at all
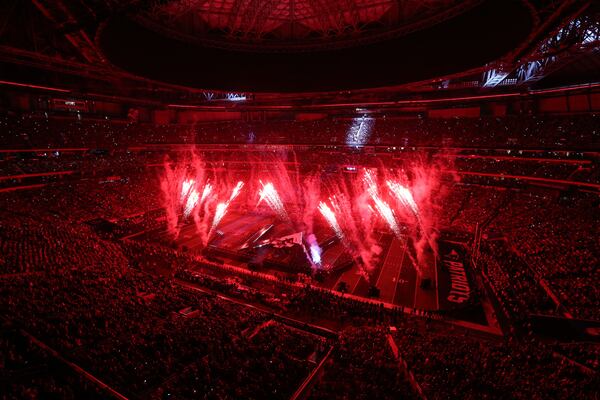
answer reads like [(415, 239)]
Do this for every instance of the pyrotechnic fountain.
[(270, 195), (356, 208)]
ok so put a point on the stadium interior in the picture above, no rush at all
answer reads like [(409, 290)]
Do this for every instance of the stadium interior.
[(299, 199)]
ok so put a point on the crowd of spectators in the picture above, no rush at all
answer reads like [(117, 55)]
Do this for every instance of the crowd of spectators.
[(362, 366), (555, 237), (29, 372), (88, 199), (30, 244), (452, 363), (145, 319), (513, 284), (148, 337), (138, 332), (524, 131), (537, 167), (586, 353), (536, 243)]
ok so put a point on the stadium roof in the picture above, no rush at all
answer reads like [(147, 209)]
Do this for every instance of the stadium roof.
[(296, 51), (245, 58), (294, 25)]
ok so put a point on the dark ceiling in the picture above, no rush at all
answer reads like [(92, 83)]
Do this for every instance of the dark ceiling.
[(472, 39)]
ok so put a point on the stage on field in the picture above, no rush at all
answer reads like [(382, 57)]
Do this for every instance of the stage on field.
[(261, 242)]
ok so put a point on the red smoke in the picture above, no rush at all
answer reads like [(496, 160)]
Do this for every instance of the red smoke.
[(404, 199)]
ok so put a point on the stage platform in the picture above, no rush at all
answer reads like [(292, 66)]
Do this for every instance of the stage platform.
[(448, 287)]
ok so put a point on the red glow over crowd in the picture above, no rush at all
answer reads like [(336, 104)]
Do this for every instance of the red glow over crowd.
[(95, 306)]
